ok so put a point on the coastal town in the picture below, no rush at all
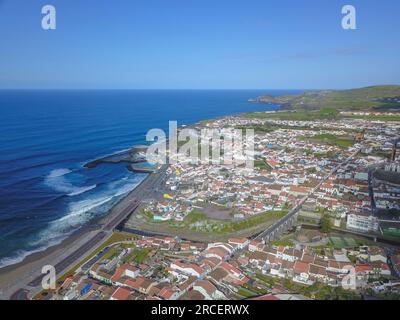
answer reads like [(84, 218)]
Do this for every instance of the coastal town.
[(203, 233), (335, 169), (193, 158), (165, 268)]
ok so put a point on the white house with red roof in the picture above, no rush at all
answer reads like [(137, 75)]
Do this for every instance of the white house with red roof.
[(190, 269)]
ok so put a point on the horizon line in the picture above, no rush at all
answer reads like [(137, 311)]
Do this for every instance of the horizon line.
[(190, 89)]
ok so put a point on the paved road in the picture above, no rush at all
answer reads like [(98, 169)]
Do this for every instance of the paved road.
[(132, 206), (148, 188), (92, 243), (65, 263)]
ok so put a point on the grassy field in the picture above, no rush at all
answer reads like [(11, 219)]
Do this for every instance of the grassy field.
[(321, 291), (339, 242), (375, 118), (199, 222), (195, 216), (285, 241), (112, 253), (332, 140), (261, 164), (310, 116), (147, 214), (325, 113), (138, 256), (391, 232), (253, 221), (317, 291), (268, 281)]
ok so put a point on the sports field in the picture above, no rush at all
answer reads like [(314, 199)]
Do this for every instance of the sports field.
[(342, 242)]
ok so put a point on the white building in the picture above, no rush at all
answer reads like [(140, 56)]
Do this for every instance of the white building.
[(393, 167), (362, 222), (188, 269)]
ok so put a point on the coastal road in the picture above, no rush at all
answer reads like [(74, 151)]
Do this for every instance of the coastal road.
[(90, 245), (149, 187), (66, 262), (132, 206)]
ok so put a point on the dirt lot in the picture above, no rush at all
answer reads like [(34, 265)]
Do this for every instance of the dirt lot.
[(217, 213)]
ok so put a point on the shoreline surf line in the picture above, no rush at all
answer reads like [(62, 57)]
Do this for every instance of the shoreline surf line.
[(96, 222)]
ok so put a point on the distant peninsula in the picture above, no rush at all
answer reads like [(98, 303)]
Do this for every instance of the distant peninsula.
[(374, 98)]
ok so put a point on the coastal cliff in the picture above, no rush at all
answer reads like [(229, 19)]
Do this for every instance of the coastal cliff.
[(378, 98)]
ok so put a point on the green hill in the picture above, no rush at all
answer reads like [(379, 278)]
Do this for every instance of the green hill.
[(369, 98)]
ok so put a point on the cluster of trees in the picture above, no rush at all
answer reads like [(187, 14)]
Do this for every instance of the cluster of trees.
[(326, 224)]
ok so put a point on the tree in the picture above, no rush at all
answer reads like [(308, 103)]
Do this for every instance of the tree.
[(326, 224)]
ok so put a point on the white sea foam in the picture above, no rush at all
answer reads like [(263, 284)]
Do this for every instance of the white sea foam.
[(58, 173), (79, 191), (78, 214), (20, 255), (81, 212), (57, 180)]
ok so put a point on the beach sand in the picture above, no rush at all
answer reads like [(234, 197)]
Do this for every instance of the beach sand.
[(16, 276)]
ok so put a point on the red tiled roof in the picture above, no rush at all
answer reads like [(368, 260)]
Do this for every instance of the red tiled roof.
[(136, 283), (364, 268), (301, 267), (299, 189), (206, 285), (118, 274), (230, 268), (121, 294), (166, 293)]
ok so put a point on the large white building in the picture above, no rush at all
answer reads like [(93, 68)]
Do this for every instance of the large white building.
[(393, 167), (362, 222)]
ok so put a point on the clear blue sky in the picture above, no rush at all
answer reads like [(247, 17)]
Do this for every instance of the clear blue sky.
[(199, 44)]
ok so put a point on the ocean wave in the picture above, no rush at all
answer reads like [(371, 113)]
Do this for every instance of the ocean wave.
[(78, 214), (58, 173), (81, 212), (56, 179), (20, 255), (79, 191)]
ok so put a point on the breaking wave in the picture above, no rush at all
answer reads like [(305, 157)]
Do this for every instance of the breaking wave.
[(57, 180), (20, 255), (81, 212)]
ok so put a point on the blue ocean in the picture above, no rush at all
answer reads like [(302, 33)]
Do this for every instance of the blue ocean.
[(47, 136)]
